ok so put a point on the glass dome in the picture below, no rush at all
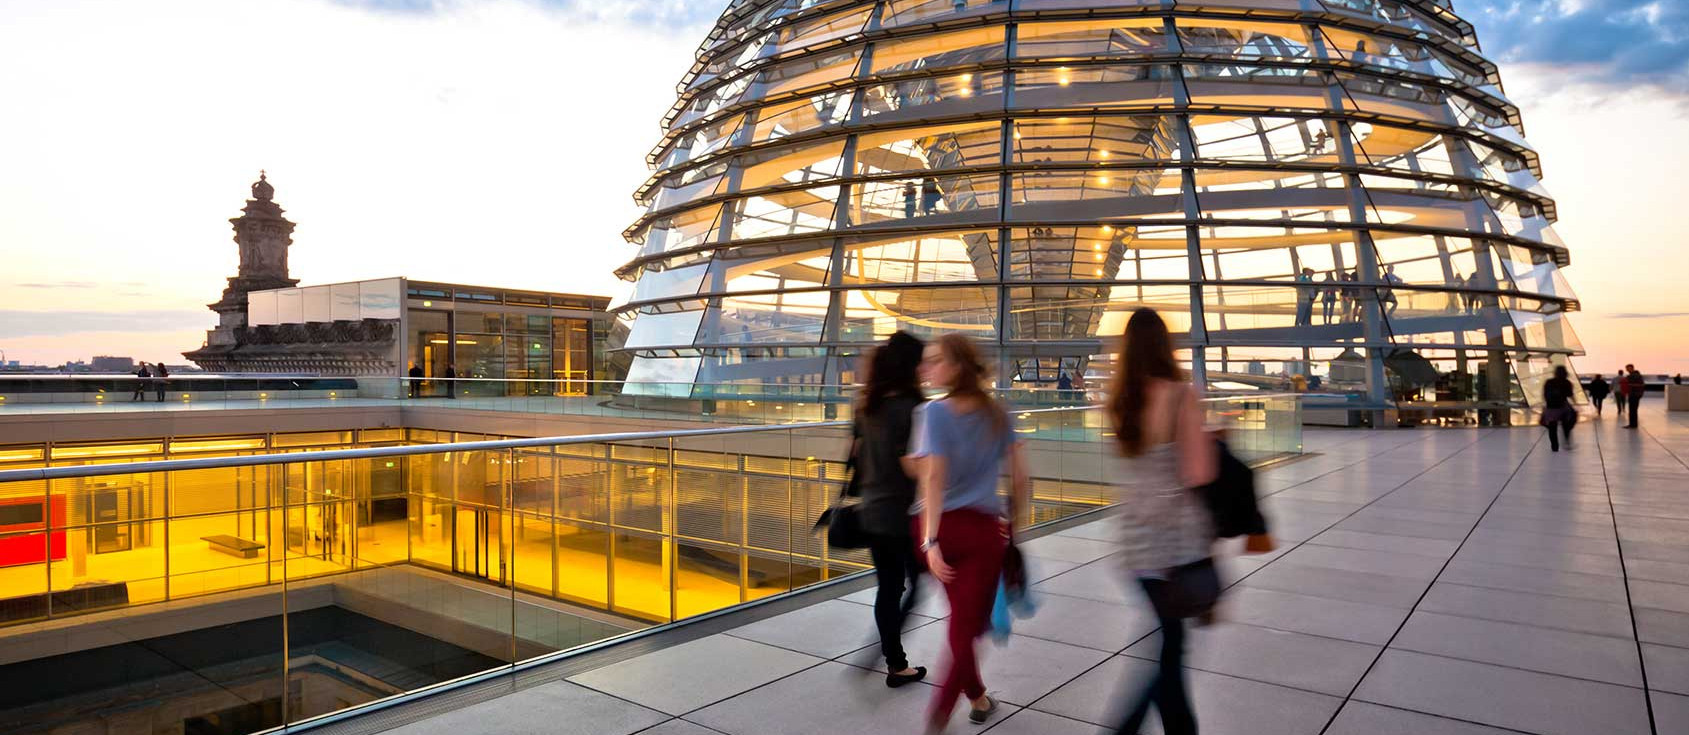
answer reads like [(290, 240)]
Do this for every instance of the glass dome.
[(1333, 190)]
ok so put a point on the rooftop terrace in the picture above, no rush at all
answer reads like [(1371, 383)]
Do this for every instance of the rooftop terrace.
[(1466, 582)]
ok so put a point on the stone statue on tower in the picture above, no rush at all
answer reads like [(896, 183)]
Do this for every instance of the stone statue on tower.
[(263, 236)]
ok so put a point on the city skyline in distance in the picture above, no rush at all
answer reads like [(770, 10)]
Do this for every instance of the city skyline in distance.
[(450, 144)]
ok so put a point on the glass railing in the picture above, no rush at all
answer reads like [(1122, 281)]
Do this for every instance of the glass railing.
[(255, 592)]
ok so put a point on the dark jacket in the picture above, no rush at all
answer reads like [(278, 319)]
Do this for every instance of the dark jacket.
[(1635, 384), (1556, 393), (1598, 388), (882, 440)]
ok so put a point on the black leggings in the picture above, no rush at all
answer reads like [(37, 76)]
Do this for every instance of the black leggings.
[(898, 570), (1565, 427), (1167, 690)]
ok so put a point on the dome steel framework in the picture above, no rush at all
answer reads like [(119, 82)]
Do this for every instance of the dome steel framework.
[(1338, 189)]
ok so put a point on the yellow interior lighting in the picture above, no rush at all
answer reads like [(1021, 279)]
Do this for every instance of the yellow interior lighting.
[(108, 450), (216, 445)]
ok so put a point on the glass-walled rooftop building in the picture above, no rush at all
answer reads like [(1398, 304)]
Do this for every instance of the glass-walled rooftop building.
[(1339, 191)]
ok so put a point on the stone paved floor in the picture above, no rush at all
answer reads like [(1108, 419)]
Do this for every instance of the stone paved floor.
[(1460, 582)]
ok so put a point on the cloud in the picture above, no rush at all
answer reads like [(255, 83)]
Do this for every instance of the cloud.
[(1621, 42), (1640, 315), (659, 13), (16, 323), (60, 284)]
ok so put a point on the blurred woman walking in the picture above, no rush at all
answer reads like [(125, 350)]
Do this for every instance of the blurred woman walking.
[(885, 413), (963, 442), (1167, 533)]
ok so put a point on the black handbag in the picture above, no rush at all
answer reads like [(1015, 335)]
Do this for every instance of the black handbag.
[(1230, 498), (1189, 591), (844, 522)]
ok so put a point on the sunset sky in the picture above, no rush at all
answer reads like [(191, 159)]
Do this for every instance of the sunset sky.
[(497, 142)]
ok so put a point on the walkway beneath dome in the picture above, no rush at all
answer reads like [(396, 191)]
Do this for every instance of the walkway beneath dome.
[(1460, 582)]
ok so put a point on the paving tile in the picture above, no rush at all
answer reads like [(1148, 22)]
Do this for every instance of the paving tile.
[(1659, 595), (1671, 713), (1503, 697), (1435, 548), (1408, 566), (679, 727), (670, 680), (1350, 621), (1032, 722), (929, 598), (1019, 672), (1550, 651), (1489, 537), (1108, 626), (1316, 664), (1440, 531), (1598, 531), (1567, 561), (1069, 548), (1098, 530), (828, 699), (1532, 579), (1224, 705), (826, 629), (1547, 611), (1655, 570), (1337, 584), (1103, 581), (1362, 718), (555, 708), (1668, 667)]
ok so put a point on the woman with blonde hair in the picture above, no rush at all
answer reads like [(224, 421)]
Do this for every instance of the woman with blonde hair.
[(963, 443), (1167, 533)]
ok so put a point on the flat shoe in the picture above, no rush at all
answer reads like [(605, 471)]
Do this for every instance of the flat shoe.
[(896, 680), (979, 716)]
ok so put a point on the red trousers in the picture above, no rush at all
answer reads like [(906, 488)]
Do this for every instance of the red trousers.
[(972, 543)]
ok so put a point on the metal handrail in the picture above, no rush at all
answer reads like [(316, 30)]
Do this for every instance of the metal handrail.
[(325, 455)]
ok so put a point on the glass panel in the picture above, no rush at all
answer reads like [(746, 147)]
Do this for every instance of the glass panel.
[(938, 51), (871, 315), (1265, 86), (1119, 140), (1091, 38), (802, 116), (686, 229), (1244, 40), (805, 72), (1045, 88), (931, 199), (702, 141), (934, 258), (906, 12), (791, 212), (1094, 193), (931, 97), (789, 165), (688, 186), (928, 149)]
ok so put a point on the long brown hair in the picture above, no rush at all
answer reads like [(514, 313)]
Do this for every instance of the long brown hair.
[(892, 369), (971, 374), (1146, 353)]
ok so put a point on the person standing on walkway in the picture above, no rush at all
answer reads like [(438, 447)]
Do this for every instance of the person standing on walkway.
[(963, 442), (451, 380), (885, 414), (1166, 532), (159, 377), (1635, 385), (1305, 295), (415, 381), (1621, 390), (141, 384), (1558, 415), (1328, 296), (1598, 390)]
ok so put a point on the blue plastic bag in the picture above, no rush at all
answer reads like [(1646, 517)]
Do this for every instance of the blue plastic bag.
[(1009, 605)]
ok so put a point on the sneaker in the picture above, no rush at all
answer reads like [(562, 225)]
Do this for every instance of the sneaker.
[(979, 716), (896, 680)]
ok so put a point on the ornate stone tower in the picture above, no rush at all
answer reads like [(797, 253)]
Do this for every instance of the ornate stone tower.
[(263, 236)]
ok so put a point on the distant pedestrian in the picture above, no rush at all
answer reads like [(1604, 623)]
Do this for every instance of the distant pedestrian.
[(1598, 390), (964, 442), (1621, 393), (1558, 414), (929, 195), (141, 383), (1328, 296), (415, 380), (1677, 379), (1064, 386), (882, 429), (1167, 533), (451, 381), (1305, 295), (1635, 386), (160, 377), (908, 199), (1389, 293)]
